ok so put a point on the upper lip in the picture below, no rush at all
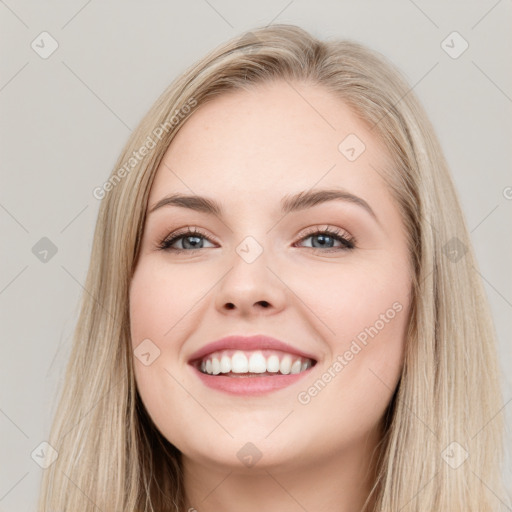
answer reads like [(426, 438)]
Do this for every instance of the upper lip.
[(257, 342)]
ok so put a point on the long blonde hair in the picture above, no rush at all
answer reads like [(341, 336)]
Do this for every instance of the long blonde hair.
[(441, 449)]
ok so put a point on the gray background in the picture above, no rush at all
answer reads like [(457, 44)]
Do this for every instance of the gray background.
[(65, 118)]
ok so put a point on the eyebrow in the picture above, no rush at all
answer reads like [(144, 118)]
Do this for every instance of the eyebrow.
[(290, 203)]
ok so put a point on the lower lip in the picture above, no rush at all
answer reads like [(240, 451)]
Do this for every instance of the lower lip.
[(249, 385)]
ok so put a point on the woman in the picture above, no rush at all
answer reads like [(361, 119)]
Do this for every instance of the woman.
[(283, 311)]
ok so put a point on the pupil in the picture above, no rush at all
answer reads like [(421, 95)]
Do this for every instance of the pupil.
[(323, 238), (196, 238)]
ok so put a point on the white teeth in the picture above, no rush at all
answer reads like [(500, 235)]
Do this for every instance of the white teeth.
[(253, 362), (286, 365), (273, 364), (257, 363), (225, 364), (296, 366), (239, 363)]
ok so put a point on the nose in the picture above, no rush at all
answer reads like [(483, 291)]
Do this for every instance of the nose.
[(251, 287)]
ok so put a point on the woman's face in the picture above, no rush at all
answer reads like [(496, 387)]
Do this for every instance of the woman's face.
[(256, 269)]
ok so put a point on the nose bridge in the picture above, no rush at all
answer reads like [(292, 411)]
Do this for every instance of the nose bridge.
[(251, 234), (250, 282), (251, 248)]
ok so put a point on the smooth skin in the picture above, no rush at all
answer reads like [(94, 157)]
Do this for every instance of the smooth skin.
[(248, 150)]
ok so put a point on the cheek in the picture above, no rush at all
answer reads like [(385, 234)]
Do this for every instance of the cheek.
[(364, 313), (348, 298), (159, 297), (357, 384)]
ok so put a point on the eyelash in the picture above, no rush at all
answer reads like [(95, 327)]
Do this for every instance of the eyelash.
[(348, 242)]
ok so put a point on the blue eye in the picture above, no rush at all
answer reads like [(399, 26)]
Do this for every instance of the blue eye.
[(324, 236), (193, 238)]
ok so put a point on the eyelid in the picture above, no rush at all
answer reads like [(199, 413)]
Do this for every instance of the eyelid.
[(327, 228)]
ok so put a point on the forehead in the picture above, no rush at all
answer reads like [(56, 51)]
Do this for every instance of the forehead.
[(273, 139)]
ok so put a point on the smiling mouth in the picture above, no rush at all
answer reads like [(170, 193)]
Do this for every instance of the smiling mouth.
[(254, 363)]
